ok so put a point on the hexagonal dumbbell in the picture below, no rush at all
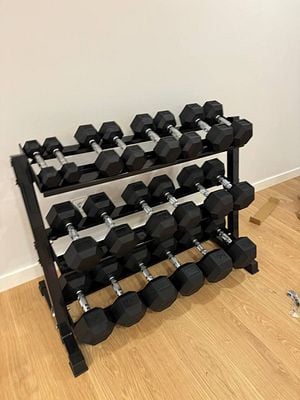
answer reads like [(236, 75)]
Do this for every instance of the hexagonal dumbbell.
[(166, 148), (159, 293), (242, 192), (108, 162), (83, 253), (215, 264), (219, 137), (133, 156), (69, 170), (242, 129), (218, 203), (94, 325), (128, 308), (187, 214), (188, 278), (49, 176), (120, 239), (190, 142), (160, 225), (242, 250)]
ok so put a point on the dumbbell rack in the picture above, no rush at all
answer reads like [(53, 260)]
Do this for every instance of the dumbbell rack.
[(50, 287)]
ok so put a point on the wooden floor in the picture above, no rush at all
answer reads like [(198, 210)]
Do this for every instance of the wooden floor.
[(232, 340)]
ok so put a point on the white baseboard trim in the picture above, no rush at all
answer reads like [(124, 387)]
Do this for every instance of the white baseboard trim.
[(26, 274)]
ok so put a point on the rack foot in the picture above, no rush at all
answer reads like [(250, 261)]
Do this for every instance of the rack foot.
[(252, 268)]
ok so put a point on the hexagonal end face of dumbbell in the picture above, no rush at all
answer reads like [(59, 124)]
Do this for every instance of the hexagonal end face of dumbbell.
[(97, 204), (134, 158), (105, 270), (109, 130), (161, 225), (86, 133), (70, 172), (188, 279), (128, 309), (219, 203), (186, 237), (141, 123), (120, 240), (140, 254), (93, 327), (211, 227), (61, 214), (220, 137), (135, 193), (159, 294), (161, 247), (74, 281), (191, 144), (190, 114), (109, 163), (242, 251), (32, 146), (83, 254), (243, 131), (49, 177), (161, 185), (187, 215), (212, 169), (52, 143), (243, 194), (190, 176), (216, 265), (212, 109), (163, 119), (167, 149)]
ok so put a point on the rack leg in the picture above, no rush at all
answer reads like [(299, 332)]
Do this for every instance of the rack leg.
[(252, 268), (233, 176)]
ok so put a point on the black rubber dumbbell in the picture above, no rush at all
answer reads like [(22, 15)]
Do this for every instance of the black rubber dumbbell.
[(190, 142), (187, 214), (160, 225), (108, 162), (242, 129), (49, 176), (188, 278), (242, 250), (219, 137), (159, 293), (166, 148), (133, 156), (215, 264), (218, 203), (83, 253), (128, 308), (95, 324), (120, 239), (242, 192), (69, 170)]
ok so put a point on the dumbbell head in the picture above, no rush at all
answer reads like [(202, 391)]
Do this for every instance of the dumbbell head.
[(185, 238), (242, 251), (141, 123), (211, 226), (188, 278), (127, 309), (72, 282), (94, 325), (160, 185), (190, 176), (190, 114), (120, 239), (220, 137), (159, 293), (108, 268), (161, 225), (69, 171), (212, 109), (212, 169), (108, 162), (135, 193), (49, 176), (133, 156), (62, 214)]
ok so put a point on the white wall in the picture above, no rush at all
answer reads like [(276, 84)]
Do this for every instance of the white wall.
[(65, 63)]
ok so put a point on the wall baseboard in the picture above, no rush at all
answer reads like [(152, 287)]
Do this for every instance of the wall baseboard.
[(26, 274)]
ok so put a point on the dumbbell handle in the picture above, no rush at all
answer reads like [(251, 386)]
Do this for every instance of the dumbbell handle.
[(145, 206), (82, 300), (223, 120), (173, 259), (202, 189), (152, 135), (174, 132), (107, 220), (171, 199), (72, 232), (39, 159), (203, 125), (199, 247), (116, 286), (224, 182), (147, 274), (119, 143), (60, 157), (95, 146), (223, 236)]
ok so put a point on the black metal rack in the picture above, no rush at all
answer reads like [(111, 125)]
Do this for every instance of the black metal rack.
[(50, 287)]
